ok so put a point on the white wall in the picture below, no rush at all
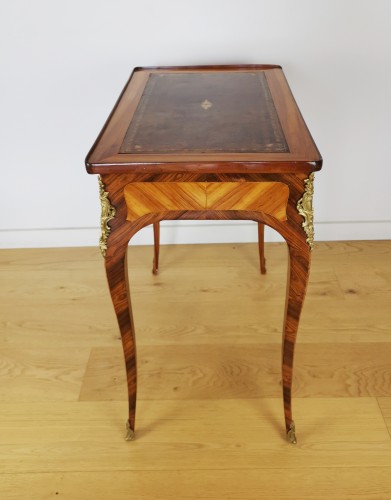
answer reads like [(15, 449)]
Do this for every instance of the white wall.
[(64, 63)]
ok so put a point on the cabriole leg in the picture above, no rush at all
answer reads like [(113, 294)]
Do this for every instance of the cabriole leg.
[(298, 272), (156, 247), (117, 277), (261, 247)]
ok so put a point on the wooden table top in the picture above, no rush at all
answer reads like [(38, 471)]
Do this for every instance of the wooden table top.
[(225, 119)]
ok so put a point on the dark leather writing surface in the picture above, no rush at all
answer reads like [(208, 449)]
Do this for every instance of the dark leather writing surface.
[(205, 112)]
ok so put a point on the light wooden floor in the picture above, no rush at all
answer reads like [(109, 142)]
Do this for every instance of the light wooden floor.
[(210, 418)]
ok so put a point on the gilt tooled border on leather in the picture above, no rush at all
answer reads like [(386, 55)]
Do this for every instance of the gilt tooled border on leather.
[(269, 136)]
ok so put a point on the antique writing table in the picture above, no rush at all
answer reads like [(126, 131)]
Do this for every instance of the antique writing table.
[(206, 142)]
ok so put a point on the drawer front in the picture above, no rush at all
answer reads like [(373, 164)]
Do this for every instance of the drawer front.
[(144, 198)]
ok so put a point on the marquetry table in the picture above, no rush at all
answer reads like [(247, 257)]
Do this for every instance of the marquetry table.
[(206, 142)]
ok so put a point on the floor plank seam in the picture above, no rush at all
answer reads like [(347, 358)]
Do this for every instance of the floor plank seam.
[(195, 469), (84, 375), (384, 418)]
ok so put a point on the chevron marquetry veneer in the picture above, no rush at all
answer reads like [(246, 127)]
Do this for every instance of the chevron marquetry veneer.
[(144, 198)]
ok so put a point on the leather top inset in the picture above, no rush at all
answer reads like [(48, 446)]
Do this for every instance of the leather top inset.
[(207, 112)]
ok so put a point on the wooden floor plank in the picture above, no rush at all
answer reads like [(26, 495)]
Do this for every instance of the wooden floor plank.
[(227, 292), (237, 371), (209, 418), (43, 375), (319, 419), (193, 436), (342, 483)]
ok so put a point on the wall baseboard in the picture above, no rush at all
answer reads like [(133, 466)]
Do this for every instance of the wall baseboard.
[(182, 232)]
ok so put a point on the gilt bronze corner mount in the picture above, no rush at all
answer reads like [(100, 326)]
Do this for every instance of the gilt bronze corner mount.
[(305, 209), (108, 213)]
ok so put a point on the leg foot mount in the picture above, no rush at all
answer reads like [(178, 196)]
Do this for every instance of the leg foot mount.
[(129, 433), (291, 434)]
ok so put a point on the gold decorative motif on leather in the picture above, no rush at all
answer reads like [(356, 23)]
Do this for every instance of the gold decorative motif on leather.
[(144, 198), (305, 209), (108, 213), (206, 104)]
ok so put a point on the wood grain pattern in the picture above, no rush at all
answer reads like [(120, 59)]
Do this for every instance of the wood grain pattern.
[(196, 448), (143, 198), (204, 439), (57, 375), (268, 197), (69, 284), (239, 371), (247, 484)]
